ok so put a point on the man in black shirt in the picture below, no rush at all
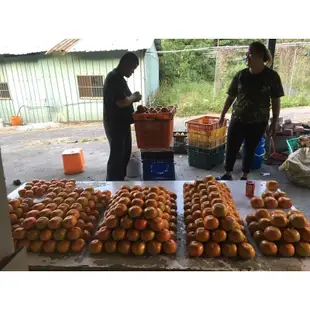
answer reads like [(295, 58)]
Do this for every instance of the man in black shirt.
[(117, 117)]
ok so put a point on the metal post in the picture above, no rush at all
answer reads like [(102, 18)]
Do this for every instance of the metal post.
[(292, 74), (215, 71), (271, 44)]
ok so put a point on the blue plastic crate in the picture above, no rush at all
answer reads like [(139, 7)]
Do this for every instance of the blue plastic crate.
[(158, 170)]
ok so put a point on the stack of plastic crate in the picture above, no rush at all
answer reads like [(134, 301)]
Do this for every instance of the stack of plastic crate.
[(206, 142), (180, 142), (154, 132)]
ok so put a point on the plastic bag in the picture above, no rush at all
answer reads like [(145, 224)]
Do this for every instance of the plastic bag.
[(297, 167)]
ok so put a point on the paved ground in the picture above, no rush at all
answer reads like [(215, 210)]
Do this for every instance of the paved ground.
[(37, 154)]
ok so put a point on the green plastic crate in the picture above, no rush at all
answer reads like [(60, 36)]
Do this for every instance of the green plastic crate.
[(206, 159), (293, 144)]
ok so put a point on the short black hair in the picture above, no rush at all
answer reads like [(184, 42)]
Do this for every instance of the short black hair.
[(260, 48), (129, 57)]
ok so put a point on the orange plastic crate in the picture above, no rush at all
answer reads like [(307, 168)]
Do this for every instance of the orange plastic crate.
[(205, 124), (73, 161), (154, 131)]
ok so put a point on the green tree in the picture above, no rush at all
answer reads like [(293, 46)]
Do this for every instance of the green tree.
[(192, 66), (189, 66)]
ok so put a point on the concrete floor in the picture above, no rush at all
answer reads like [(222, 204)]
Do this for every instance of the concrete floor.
[(37, 154)]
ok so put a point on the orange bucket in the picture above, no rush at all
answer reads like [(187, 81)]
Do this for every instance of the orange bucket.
[(16, 121)]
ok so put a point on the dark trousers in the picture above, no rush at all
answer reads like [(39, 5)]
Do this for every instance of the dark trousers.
[(238, 132), (120, 152)]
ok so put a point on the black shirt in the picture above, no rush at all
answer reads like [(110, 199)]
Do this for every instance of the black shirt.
[(115, 88), (253, 93)]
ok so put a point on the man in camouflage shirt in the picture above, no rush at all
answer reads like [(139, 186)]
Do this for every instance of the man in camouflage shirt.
[(252, 92)]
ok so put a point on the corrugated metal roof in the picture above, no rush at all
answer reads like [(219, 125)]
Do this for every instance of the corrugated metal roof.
[(95, 44), (26, 46), (49, 45), (64, 46)]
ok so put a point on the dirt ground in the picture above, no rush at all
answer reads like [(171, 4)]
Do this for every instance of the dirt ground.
[(36, 153)]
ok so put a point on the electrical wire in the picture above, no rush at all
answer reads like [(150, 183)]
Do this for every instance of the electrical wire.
[(227, 47)]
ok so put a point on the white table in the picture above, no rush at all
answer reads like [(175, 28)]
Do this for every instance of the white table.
[(180, 261)]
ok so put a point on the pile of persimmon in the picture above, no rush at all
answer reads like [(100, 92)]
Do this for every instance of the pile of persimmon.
[(62, 222), (154, 110), (280, 233), (213, 225), (272, 198), (38, 188), (139, 220)]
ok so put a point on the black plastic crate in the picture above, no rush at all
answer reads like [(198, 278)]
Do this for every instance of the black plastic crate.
[(206, 158), (158, 170), (180, 142)]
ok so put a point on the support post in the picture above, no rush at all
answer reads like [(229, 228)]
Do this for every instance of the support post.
[(271, 44), (6, 243)]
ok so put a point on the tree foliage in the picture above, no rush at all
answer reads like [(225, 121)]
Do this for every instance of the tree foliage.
[(192, 66)]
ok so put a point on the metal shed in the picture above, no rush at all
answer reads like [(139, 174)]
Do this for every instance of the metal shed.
[(62, 81)]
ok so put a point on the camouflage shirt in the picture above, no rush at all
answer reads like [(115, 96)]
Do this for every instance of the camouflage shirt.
[(253, 93)]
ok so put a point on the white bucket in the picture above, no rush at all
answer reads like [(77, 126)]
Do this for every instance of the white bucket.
[(134, 168)]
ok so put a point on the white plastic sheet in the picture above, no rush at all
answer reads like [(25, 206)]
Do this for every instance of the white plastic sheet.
[(297, 167)]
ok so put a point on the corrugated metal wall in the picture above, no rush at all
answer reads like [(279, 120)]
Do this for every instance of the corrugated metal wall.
[(47, 87)]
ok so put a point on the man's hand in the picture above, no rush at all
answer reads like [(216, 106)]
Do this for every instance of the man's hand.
[(221, 121), (137, 96), (271, 132)]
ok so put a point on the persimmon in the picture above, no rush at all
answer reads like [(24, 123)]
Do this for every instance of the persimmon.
[(110, 246), (147, 235), (211, 222), (154, 247), (218, 235), (118, 233), (212, 249), (124, 247), (229, 250), (202, 235), (133, 234), (268, 248), (150, 213), (163, 235), (135, 211), (170, 247), (195, 249), (138, 248), (188, 220)]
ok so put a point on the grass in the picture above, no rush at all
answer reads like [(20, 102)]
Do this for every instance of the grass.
[(196, 98)]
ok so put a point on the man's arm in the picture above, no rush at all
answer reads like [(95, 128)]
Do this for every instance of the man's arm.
[(128, 101), (275, 102), (276, 93), (229, 101), (275, 109), (123, 101), (232, 94)]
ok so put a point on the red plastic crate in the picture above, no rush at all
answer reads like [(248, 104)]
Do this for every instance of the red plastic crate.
[(154, 131)]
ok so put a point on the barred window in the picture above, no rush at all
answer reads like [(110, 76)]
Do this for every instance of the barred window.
[(90, 86), (4, 91)]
